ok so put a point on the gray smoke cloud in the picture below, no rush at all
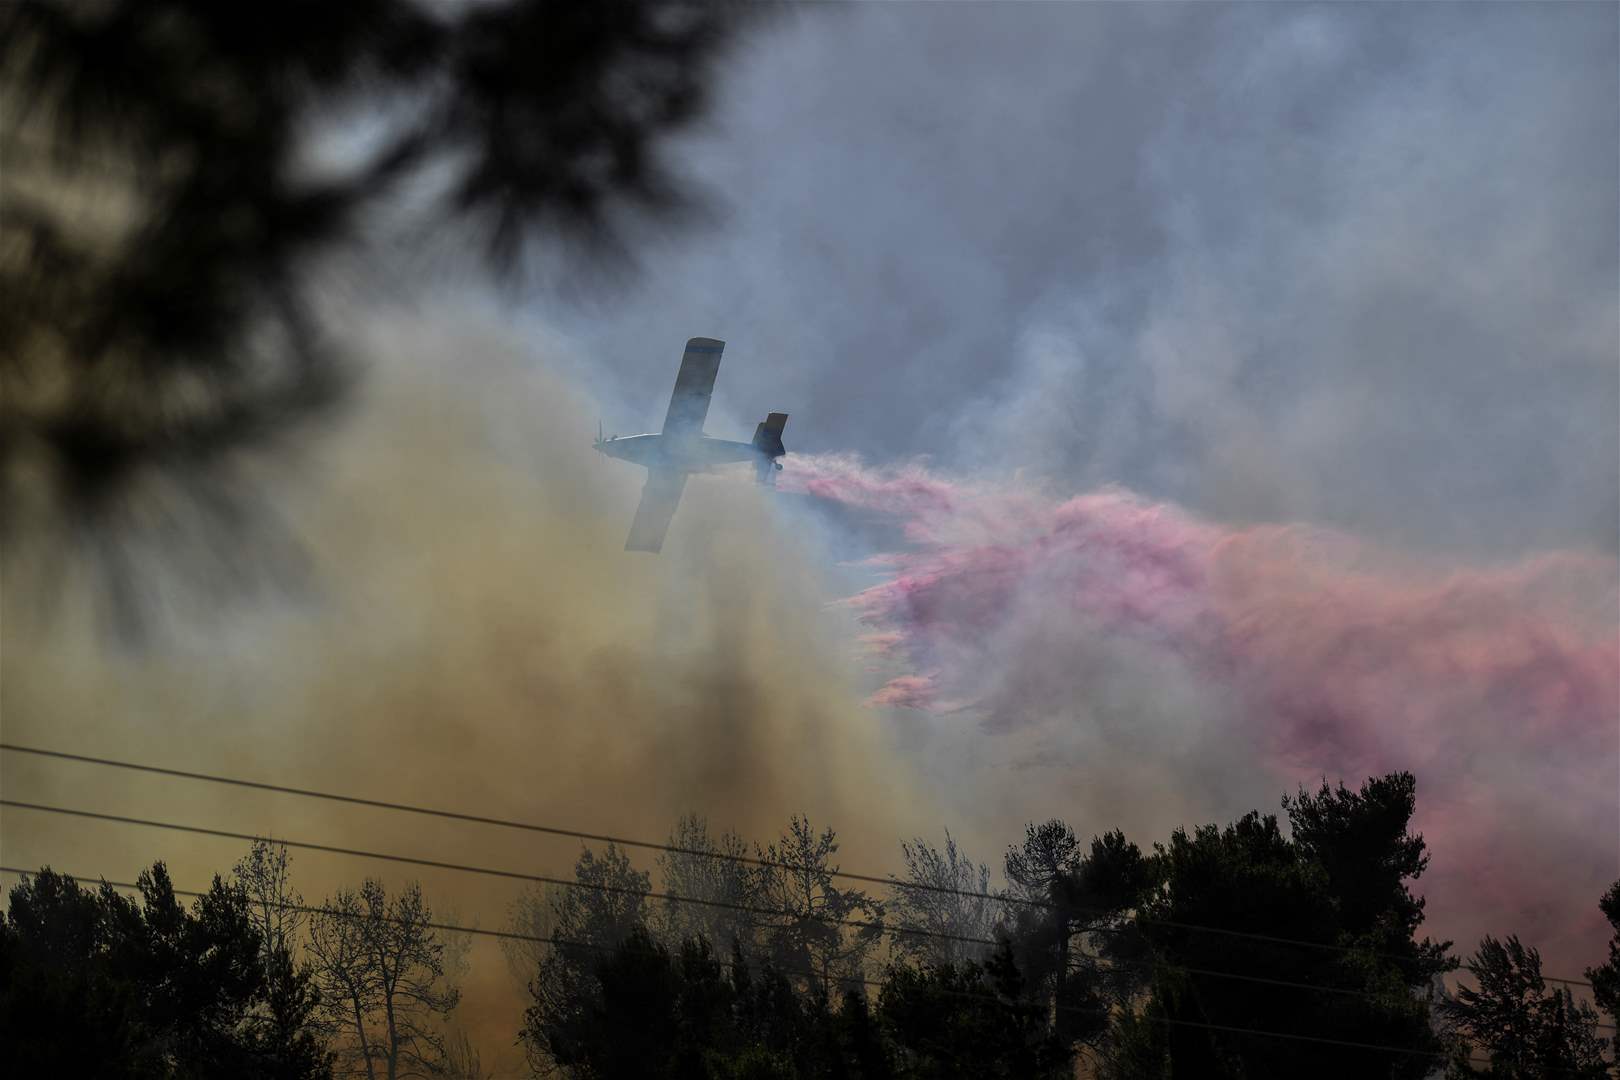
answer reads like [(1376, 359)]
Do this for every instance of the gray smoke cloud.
[(1389, 298), (1350, 265)]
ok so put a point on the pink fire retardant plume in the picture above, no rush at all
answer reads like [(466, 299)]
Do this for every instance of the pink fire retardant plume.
[(1499, 687)]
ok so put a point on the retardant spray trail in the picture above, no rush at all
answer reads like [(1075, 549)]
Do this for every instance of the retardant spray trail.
[(1497, 686)]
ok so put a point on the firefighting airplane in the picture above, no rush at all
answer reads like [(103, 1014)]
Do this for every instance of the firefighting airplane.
[(670, 456)]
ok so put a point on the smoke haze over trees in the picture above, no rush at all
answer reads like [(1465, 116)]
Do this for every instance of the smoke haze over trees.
[(1230, 951)]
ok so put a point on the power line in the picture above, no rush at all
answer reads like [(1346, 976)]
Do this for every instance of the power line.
[(601, 837), (554, 830), (555, 942), (861, 924), (507, 823), (545, 879), (307, 909), (518, 875)]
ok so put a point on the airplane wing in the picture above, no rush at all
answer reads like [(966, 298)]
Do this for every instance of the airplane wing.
[(689, 404), (656, 509)]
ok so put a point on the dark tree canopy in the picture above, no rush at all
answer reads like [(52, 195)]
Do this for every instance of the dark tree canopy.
[(1360, 840), (644, 1009), (975, 1020), (96, 984), (165, 216), (1073, 937), (1338, 882)]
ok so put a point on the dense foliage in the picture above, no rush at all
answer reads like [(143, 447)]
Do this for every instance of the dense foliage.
[(1338, 883), (93, 983)]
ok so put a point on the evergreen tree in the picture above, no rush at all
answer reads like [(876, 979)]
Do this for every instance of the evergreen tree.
[(1526, 1029), (1072, 934), (588, 922), (967, 1020), (96, 984), (1327, 911), (643, 1009)]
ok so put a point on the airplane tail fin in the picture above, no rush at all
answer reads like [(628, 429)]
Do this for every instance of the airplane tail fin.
[(768, 435), (768, 441)]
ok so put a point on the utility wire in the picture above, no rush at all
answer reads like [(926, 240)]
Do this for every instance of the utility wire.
[(553, 830), (508, 823), (518, 875), (860, 924), (556, 942)]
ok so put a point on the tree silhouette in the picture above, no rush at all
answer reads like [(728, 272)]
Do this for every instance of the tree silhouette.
[(627, 987), (646, 1009), (705, 868), (381, 969), (1606, 976), (264, 875), (1338, 883), (587, 923), (1526, 1029), (275, 906), (462, 1060), (637, 1011), (96, 984), (971, 1020), (941, 906), (1360, 840), (807, 930), (1306, 938), (1075, 924)]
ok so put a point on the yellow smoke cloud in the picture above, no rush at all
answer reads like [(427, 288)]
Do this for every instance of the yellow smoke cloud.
[(470, 635)]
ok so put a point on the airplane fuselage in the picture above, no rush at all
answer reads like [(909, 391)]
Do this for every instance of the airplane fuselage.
[(671, 455)]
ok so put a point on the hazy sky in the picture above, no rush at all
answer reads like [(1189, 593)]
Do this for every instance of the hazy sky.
[(1352, 263)]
